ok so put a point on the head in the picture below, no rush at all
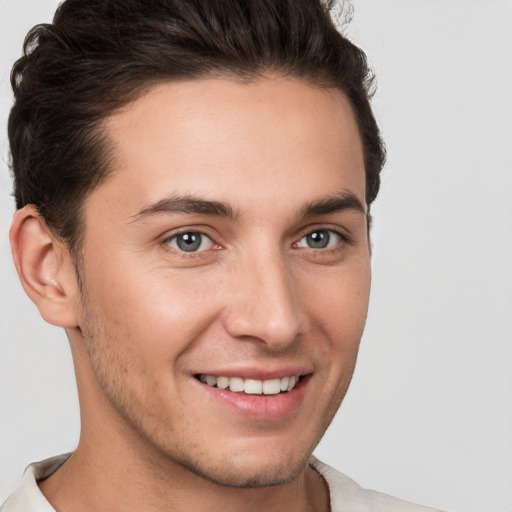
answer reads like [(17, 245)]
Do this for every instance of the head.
[(203, 172)]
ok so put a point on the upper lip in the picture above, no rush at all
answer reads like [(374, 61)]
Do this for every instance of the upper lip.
[(258, 373)]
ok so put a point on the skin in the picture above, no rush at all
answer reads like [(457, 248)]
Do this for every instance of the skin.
[(149, 316)]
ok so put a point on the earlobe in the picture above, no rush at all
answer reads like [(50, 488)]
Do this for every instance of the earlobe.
[(44, 267)]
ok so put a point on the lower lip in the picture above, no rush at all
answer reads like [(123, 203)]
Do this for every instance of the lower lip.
[(264, 407)]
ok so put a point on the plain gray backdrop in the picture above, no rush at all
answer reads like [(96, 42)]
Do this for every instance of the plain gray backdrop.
[(429, 414)]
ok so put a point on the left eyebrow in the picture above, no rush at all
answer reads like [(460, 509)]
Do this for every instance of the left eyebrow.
[(343, 201)]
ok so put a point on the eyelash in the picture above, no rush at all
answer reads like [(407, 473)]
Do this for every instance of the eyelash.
[(329, 232), (342, 240), (192, 254)]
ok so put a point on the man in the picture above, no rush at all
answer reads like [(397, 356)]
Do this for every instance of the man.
[(193, 182)]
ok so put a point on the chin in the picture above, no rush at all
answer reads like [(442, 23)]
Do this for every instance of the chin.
[(239, 472)]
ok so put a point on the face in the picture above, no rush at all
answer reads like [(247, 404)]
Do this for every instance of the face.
[(225, 276)]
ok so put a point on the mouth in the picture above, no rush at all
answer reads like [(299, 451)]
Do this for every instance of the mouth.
[(254, 393), (276, 386)]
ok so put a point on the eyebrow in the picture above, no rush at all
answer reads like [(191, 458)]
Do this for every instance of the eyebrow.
[(187, 204), (192, 204), (344, 200)]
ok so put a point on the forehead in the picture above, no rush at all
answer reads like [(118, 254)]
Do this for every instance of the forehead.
[(269, 140)]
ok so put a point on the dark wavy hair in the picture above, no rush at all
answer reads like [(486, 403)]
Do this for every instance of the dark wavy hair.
[(99, 55)]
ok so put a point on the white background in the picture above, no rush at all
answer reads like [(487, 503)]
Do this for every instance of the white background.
[(429, 414)]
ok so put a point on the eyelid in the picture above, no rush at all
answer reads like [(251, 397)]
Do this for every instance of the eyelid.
[(343, 232), (203, 229)]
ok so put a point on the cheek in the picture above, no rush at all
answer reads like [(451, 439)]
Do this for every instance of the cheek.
[(156, 314), (340, 304)]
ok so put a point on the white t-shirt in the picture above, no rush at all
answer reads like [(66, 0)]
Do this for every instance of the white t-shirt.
[(345, 494)]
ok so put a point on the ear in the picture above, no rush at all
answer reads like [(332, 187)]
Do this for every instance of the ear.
[(45, 268)]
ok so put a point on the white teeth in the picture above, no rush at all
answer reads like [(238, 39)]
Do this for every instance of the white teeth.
[(236, 384), (222, 382), (251, 386), (211, 380), (271, 387)]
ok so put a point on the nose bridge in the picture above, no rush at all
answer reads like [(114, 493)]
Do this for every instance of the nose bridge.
[(267, 305)]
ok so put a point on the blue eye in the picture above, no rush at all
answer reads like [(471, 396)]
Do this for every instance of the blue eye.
[(320, 239), (191, 241)]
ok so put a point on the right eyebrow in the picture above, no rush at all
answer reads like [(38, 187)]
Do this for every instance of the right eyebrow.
[(345, 200), (187, 204)]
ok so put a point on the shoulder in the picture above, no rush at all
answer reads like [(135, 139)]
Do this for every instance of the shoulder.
[(348, 495), (28, 497)]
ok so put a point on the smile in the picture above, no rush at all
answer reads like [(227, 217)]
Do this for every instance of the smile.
[(251, 386)]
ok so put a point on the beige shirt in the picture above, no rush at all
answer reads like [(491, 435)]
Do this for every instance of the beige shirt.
[(346, 495)]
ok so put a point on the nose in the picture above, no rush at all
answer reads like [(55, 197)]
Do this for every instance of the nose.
[(266, 303)]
